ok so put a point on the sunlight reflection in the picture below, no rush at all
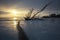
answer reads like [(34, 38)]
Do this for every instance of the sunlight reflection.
[(14, 18), (14, 22), (22, 23)]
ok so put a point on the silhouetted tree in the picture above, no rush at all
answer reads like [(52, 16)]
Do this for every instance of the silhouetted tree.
[(58, 15), (52, 15)]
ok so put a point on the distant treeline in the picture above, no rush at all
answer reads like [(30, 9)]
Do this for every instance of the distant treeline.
[(52, 16)]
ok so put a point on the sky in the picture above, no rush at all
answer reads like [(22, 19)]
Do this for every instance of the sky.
[(29, 4), (23, 5)]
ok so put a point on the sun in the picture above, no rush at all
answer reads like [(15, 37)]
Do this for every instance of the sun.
[(14, 12)]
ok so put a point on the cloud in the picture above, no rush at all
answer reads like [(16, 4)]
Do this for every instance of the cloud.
[(2, 12), (9, 2), (30, 4), (6, 4)]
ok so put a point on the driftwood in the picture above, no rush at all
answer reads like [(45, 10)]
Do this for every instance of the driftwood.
[(21, 33)]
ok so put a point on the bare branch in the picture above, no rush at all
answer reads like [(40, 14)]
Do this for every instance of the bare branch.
[(29, 14), (42, 9)]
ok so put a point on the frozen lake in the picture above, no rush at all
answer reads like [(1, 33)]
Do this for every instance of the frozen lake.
[(46, 29)]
